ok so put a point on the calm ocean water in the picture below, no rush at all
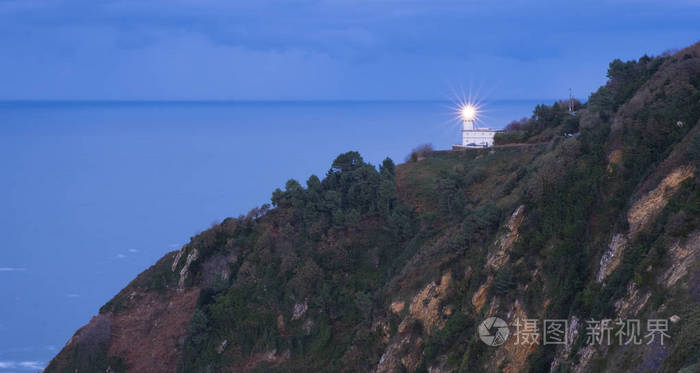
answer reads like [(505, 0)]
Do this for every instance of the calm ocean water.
[(92, 194)]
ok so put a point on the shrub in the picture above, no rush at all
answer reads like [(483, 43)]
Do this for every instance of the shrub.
[(420, 152)]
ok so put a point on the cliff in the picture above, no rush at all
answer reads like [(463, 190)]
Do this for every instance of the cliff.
[(393, 268)]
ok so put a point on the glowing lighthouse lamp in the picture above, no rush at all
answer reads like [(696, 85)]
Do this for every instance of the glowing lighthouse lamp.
[(472, 135), (468, 113)]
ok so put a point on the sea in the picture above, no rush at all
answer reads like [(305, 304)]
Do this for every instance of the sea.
[(93, 193)]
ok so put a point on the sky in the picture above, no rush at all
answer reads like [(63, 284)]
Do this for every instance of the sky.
[(326, 50)]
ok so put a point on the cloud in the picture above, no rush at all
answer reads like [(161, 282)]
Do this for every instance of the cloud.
[(73, 295), (321, 49), (33, 365), (120, 256), (133, 251), (342, 28), (12, 269)]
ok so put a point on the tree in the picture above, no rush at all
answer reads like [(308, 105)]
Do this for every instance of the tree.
[(198, 327), (503, 280), (449, 186), (313, 183), (352, 218), (387, 168), (347, 162), (387, 194)]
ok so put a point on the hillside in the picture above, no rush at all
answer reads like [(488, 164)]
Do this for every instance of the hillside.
[(392, 268)]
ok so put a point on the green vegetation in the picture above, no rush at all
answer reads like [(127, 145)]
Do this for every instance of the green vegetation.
[(545, 124), (356, 206)]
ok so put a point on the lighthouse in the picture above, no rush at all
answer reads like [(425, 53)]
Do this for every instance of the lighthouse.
[(472, 135)]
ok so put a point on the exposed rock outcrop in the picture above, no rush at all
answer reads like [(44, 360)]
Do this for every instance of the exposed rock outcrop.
[(647, 207), (424, 312), (504, 244), (682, 255), (425, 306), (185, 271), (299, 310), (611, 257), (639, 215)]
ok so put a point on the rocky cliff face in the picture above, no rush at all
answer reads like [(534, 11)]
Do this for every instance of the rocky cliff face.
[(393, 269)]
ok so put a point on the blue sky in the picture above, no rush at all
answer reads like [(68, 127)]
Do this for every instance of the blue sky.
[(328, 50)]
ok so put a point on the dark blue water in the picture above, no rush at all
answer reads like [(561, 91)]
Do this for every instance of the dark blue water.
[(91, 194)]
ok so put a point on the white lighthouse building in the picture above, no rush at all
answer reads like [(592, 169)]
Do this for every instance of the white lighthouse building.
[(472, 135)]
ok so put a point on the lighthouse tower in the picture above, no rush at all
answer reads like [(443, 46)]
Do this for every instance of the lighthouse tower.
[(472, 135), (468, 123)]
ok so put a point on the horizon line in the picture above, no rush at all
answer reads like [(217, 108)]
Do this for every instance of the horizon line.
[(244, 101)]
